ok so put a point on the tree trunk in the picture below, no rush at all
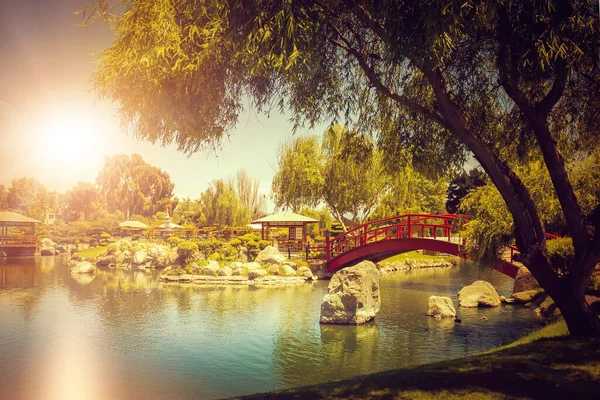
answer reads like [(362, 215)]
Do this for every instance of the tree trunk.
[(580, 319), (568, 294)]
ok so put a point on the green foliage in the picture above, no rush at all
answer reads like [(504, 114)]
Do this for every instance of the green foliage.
[(249, 237), (209, 246), (411, 192), (460, 186), (83, 201), (189, 212), (263, 243), (222, 206), (185, 250), (173, 241), (491, 227), (299, 181), (593, 286), (561, 253), (323, 216), (3, 194), (131, 185), (235, 243)]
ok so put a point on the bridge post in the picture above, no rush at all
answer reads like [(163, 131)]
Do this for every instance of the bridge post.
[(409, 227), (327, 246)]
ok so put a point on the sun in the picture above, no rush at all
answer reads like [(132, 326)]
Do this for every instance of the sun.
[(67, 137)]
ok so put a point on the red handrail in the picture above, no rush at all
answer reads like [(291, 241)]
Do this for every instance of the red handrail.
[(405, 225)]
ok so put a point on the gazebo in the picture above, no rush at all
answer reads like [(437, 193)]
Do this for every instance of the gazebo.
[(295, 223), (132, 226), (17, 234)]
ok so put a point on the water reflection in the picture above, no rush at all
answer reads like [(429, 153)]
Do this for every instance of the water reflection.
[(124, 334)]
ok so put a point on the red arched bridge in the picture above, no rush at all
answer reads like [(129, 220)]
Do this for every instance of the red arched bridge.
[(381, 239)]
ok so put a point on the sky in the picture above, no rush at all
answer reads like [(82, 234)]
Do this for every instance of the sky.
[(54, 129)]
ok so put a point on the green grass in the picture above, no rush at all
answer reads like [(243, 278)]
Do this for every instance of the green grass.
[(92, 252), (545, 364), (413, 255)]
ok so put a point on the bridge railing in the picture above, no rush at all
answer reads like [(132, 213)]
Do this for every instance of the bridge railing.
[(442, 227)]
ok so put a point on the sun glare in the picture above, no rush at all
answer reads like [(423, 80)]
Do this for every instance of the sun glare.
[(67, 139)]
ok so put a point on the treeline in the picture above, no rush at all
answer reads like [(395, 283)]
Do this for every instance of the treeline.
[(347, 173), (129, 188)]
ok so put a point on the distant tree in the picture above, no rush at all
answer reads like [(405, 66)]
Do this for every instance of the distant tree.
[(460, 186), (411, 192), (189, 211), (247, 190), (3, 195), (131, 185), (81, 201), (29, 197), (353, 175), (298, 181), (222, 206)]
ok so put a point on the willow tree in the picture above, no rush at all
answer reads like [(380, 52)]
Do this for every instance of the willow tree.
[(436, 79)]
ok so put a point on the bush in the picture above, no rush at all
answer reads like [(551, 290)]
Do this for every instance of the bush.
[(593, 286), (185, 250), (561, 253), (264, 243), (235, 243), (209, 246), (228, 252), (249, 237), (105, 235), (173, 241)]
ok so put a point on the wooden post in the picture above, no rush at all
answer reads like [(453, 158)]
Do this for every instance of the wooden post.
[(409, 227), (327, 246), (262, 231)]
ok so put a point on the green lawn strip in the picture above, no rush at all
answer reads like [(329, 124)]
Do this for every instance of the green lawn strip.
[(560, 367), (413, 255), (92, 252)]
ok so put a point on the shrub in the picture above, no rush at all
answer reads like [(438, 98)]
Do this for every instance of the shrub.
[(235, 243), (105, 235), (185, 250), (561, 253), (209, 246), (228, 252), (173, 241), (249, 237), (264, 243)]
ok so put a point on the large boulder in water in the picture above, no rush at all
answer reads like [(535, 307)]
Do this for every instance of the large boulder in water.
[(441, 307), (140, 257), (47, 251), (353, 295), (270, 255), (83, 267), (525, 281), (479, 293)]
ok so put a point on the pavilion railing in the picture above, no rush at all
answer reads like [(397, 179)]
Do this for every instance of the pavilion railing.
[(18, 240), (298, 250)]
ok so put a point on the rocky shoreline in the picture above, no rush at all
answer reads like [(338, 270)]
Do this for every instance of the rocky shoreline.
[(394, 266)]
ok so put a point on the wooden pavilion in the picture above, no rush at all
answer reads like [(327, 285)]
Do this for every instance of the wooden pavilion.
[(295, 223), (128, 228), (17, 234)]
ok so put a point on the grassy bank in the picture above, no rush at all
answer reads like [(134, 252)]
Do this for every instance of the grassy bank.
[(414, 255), (545, 364), (92, 252)]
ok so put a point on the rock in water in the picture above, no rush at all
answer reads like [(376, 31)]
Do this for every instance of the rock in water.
[(525, 281), (83, 267), (270, 255), (439, 306), (140, 257), (479, 293), (353, 295)]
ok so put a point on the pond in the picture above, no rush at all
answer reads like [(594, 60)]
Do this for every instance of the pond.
[(124, 334)]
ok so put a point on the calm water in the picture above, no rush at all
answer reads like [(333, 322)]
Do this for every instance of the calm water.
[(124, 335)]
